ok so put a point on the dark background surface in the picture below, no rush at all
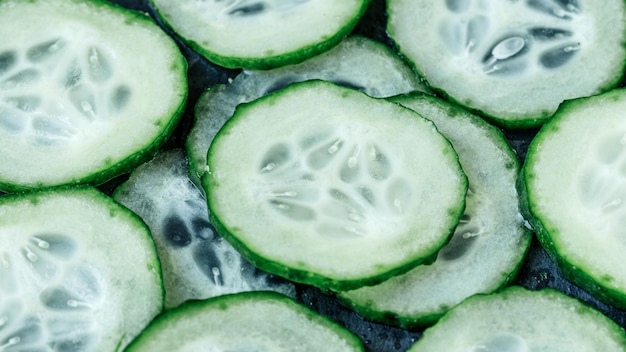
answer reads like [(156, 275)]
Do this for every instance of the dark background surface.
[(538, 271)]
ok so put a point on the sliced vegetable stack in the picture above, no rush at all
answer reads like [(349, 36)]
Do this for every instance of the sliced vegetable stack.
[(357, 62), (76, 103), (327, 186), (336, 182), (197, 263), (488, 245)]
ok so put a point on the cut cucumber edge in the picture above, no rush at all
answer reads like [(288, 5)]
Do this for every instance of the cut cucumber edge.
[(193, 310), (142, 308), (504, 336), (514, 120), (503, 122), (378, 71), (600, 288), (420, 319), (197, 158), (197, 263), (257, 63), (307, 277), (120, 168), (110, 170), (304, 275), (524, 123)]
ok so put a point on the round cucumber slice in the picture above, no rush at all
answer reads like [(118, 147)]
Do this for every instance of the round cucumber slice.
[(521, 320), (76, 102), (250, 321), (78, 272), (514, 61), (489, 244), (260, 34), (327, 186), (357, 62), (197, 263), (574, 189)]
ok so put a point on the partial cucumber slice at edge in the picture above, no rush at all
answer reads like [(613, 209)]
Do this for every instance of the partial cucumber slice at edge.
[(518, 319), (260, 319), (73, 93), (582, 232), (78, 270), (189, 25)]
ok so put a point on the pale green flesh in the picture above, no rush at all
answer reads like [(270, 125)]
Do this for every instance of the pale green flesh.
[(575, 179), (252, 321), (489, 243), (256, 29), (518, 320), (197, 263), (337, 201), (77, 272), (71, 95), (357, 62), (515, 61)]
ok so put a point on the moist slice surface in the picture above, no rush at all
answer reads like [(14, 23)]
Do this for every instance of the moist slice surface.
[(574, 191), (488, 245), (517, 319), (357, 62), (260, 34), (197, 263), (78, 272), (328, 186), (249, 321), (514, 61), (76, 102)]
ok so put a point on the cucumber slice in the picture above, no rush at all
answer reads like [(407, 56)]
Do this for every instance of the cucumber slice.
[(515, 61), (357, 62), (574, 188), (521, 320), (196, 262), (327, 186), (250, 321), (260, 34), (78, 272), (76, 102), (488, 246)]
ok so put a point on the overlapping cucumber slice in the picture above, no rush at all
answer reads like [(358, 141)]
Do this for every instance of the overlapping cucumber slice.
[(520, 320), (574, 193), (327, 186), (488, 245), (77, 101), (260, 34), (78, 272), (250, 321), (197, 263), (357, 62), (515, 61)]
